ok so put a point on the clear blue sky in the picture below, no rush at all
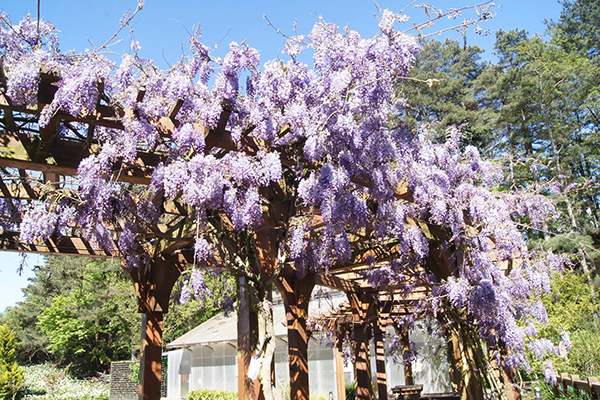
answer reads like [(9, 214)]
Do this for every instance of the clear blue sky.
[(161, 30)]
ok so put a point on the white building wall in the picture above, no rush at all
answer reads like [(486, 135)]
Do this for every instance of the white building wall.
[(214, 366), (173, 377), (321, 369)]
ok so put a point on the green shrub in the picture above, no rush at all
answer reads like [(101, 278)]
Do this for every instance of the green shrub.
[(11, 374), (350, 392), (211, 394)]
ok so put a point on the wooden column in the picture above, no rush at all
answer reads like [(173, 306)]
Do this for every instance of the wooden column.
[(362, 362), (153, 284), (151, 356), (340, 384), (362, 310), (296, 295), (243, 339), (409, 378), (380, 361)]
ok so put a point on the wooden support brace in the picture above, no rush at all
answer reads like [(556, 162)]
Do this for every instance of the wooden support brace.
[(175, 109), (140, 94)]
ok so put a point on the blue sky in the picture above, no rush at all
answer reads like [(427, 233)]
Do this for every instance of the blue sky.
[(162, 30)]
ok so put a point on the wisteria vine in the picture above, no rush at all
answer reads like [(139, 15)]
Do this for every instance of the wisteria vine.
[(326, 131)]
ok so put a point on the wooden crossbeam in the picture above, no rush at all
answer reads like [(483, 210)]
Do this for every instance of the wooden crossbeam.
[(61, 245), (334, 282)]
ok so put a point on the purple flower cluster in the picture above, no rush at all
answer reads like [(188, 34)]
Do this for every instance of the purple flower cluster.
[(549, 373)]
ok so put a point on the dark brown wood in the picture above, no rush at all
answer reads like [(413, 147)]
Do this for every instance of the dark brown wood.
[(332, 281), (362, 362), (175, 110), (60, 245), (409, 378), (454, 358), (151, 356), (362, 309), (154, 282), (296, 296), (569, 384), (243, 339), (380, 361)]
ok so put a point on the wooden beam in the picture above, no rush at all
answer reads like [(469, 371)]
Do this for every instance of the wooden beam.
[(362, 362), (69, 171), (332, 281), (64, 245), (154, 282)]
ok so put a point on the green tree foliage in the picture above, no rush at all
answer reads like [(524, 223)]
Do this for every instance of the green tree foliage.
[(11, 374), (84, 312), (572, 308), (183, 317), (89, 313), (544, 98), (536, 110), (578, 25), (446, 88)]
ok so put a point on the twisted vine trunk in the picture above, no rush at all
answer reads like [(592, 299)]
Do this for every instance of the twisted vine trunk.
[(266, 336), (470, 370)]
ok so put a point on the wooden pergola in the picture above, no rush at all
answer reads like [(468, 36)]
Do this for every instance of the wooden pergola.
[(32, 157)]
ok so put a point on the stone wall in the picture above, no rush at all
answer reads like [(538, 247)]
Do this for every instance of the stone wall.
[(121, 385)]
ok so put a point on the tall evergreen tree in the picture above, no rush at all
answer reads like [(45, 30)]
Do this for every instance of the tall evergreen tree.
[(542, 94), (445, 88), (577, 27)]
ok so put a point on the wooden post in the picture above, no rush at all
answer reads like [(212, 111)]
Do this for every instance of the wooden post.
[(243, 339), (151, 356), (409, 378), (153, 284), (380, 361), (593, 394), (339, 366), (362, 306), (296, 295), (362, 362)]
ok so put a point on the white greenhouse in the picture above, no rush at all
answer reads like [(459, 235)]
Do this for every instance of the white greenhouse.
[(205, 358)]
